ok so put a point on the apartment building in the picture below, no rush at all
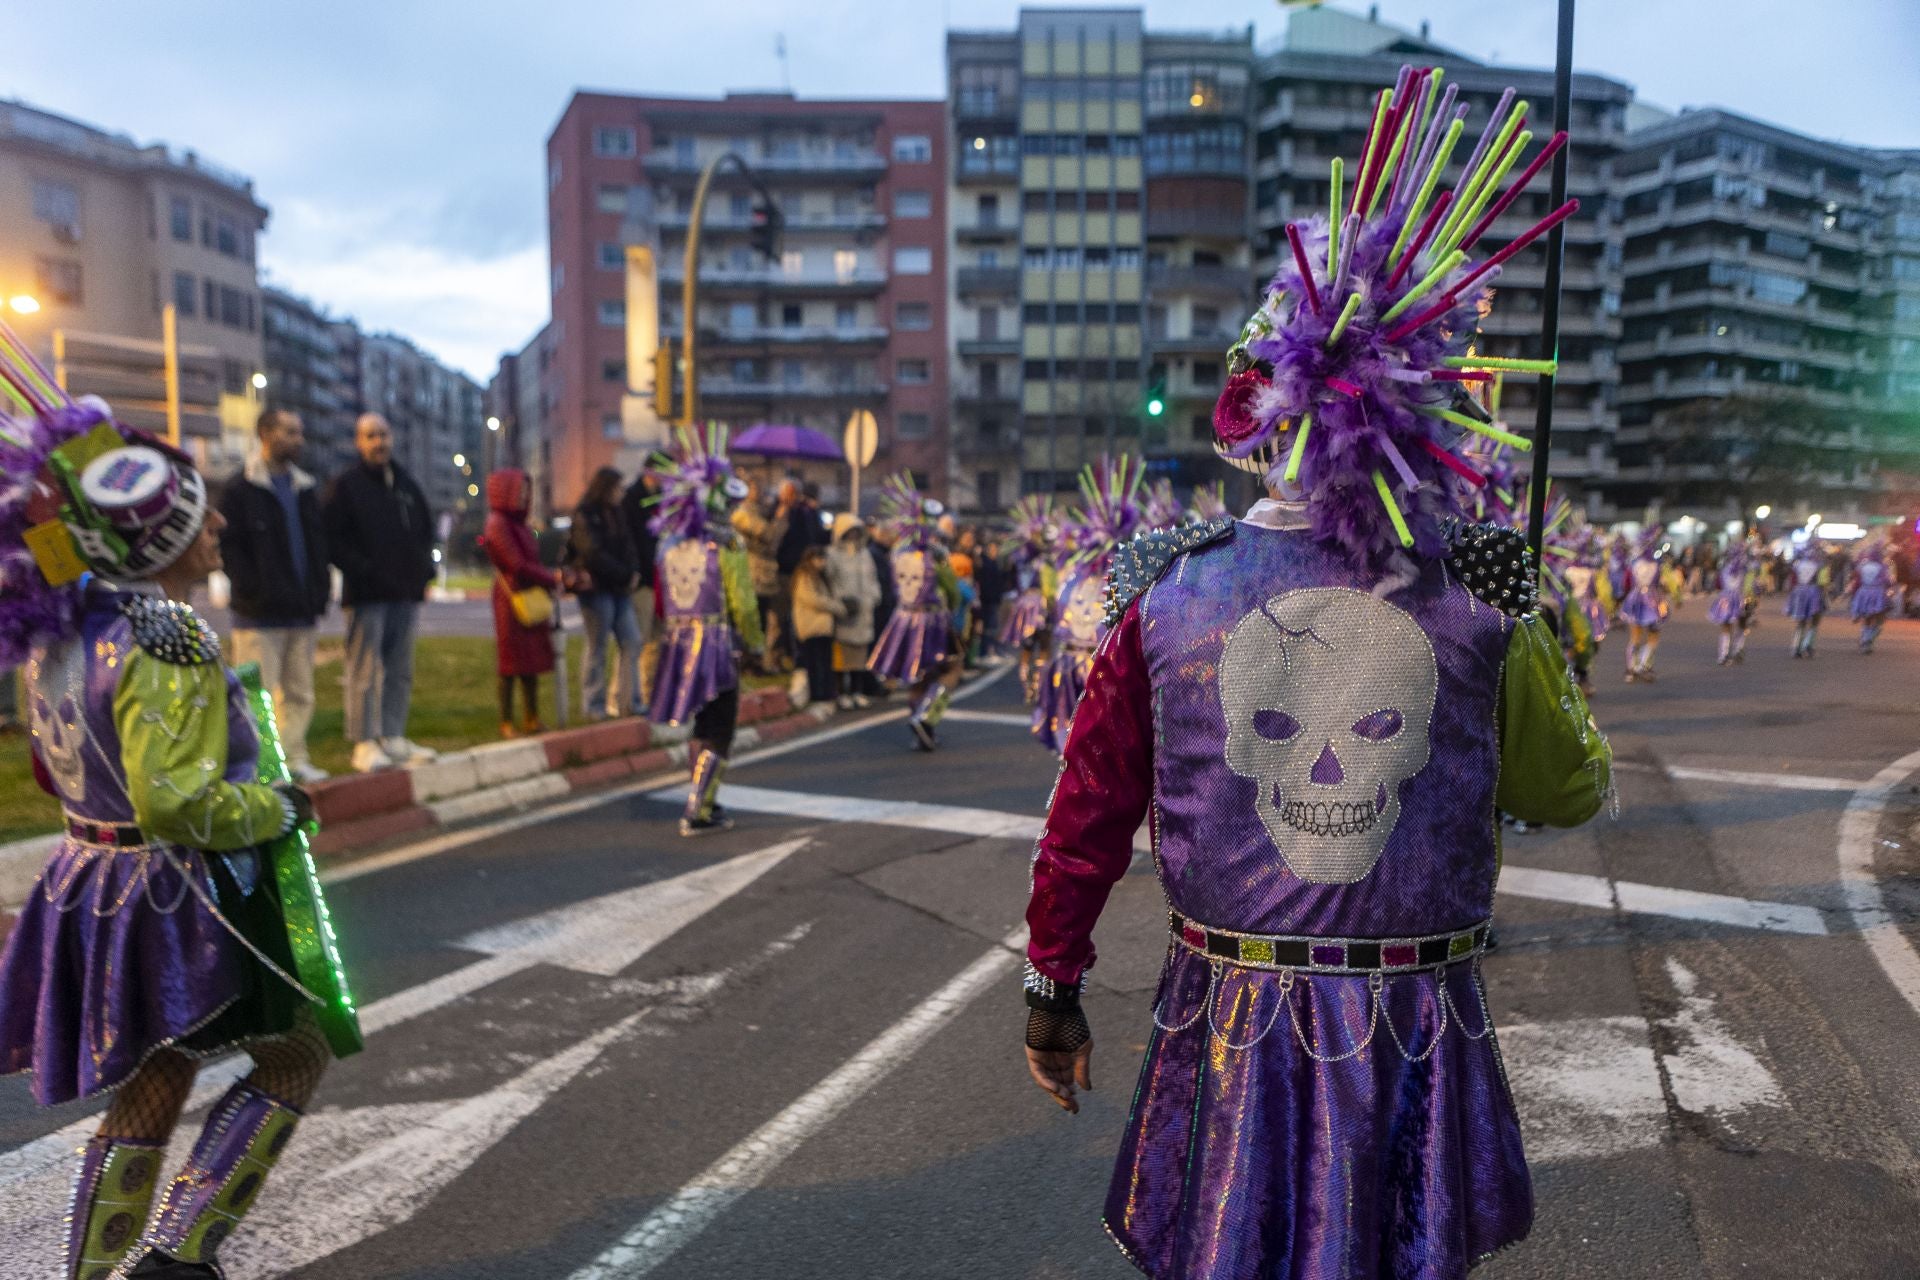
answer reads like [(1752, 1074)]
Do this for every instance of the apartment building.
[(1099, 212), (1315, 101), (851, 316), (439, 425), (312, 368), (100, 233)]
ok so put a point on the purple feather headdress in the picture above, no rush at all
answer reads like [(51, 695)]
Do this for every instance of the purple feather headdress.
[(1349, 386), (909, 515), (1035, 527), (697, 484), (1210, 500), (1162, 510), (1110, 510)]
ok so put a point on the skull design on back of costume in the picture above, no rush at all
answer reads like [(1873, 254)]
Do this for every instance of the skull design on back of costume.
[(1084, 608), (1328, 696), (686, 573), (1646, 573), (910, 572), (1579, 580), (1870, 572)]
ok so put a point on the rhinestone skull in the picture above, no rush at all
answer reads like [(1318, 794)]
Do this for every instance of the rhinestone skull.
[(1328, 696), (910, 571), (686, 573)]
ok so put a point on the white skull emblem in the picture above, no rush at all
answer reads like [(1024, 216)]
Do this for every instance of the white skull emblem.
[(686, 573), (1085, 606), (1645, 574), (1580, 579), (1328, 696), (910, 571)]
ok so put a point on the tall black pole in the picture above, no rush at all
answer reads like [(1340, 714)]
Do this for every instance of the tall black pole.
[(1556, 247)]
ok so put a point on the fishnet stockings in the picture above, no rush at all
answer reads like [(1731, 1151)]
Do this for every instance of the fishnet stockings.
[(287, 1067)]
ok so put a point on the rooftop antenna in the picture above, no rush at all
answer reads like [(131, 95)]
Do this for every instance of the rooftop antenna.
[(780, 52)]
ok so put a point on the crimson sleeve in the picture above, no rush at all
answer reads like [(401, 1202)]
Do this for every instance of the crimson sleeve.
[(1105, 787)]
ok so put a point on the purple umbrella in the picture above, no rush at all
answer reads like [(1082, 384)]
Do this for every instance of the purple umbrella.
[(778, 441)]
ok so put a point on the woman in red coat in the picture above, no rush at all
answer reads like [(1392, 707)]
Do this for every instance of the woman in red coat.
[(525, 653)]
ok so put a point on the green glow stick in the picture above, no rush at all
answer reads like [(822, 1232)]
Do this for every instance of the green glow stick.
[(1471, 424), (1493, 397), (1419, 207), (1393, 159), (1470, 190), (1485, 198), (1501, 364), (1299, 448), (1333, 223), (1380, 108), (1346, 314), (1393, 509), (1447, 265)]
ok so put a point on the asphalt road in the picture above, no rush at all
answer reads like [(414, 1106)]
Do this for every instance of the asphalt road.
[(597, 1050)]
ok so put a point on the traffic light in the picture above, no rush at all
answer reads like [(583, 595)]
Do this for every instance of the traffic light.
[(1156, 404), (1156, 400), (663, 380), (767, 224)]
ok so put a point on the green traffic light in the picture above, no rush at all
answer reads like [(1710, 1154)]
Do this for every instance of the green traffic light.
[(1156, 407)]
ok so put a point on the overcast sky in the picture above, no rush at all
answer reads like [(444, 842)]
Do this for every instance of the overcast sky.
[(399, 142)]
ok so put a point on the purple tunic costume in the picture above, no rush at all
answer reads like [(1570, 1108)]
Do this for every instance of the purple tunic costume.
[(1870, 596), (122, 949), (1319, 768), (1077, 630), (1027, 619), (1645, 604), (918, 639), (1807, 597), (697, 661), (1734, 603)]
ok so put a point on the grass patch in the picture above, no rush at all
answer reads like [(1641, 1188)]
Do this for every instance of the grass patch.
[(454, 707)]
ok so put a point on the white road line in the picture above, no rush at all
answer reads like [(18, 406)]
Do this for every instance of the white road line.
[(992, 717), (1744, 778), (1859, 828), (662, 1233), (1523, 882)]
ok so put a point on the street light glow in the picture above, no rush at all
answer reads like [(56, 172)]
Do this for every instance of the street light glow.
[(1762, 511), (979, 144), (1198, 99), (459, 459), (259, 382), (24, 303), (473, 491), (493, 424)]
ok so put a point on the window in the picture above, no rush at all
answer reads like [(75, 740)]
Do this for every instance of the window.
[(914, 316), (610, 427), (792, 262), (184, 292), (742, 317), (908, 261), (792, 373), (613, 312), (913, 204), (845, 314), (1036, 201), (1126, 258), (611, 198), (226, 235), (553, 174), (1036, 259), (57, 203), (613, 256), (233, 311), (846, 263), (1126, 201), (740, 206), (790, 315), (1035, 313), (913, 148), (611, 140), (913, 373), (613, 371), (559, 276), (180, 218), (210, 294), (915, 426), (1066, 257)]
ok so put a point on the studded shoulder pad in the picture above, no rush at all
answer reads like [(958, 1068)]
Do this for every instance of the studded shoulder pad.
[(170, 630), (1495, 563), (1139, 562)]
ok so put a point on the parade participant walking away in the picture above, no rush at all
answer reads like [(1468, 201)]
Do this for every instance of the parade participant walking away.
[(646, 546), (1808, 579), (380, 534), (157, 934), (1619, 575), (918, 647), (523, 604), (1030, 616), (816, 612), (1645, 606), (1733, 608), (1162, 510), (854, 580), (707, 599), (602, 556), (1321, 706), (1110, 513), (275, 552), (1871, 597)]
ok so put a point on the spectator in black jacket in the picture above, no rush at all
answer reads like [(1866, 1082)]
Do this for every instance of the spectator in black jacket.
[(634, 505), (380, 533), (600, 549), (276, 560)]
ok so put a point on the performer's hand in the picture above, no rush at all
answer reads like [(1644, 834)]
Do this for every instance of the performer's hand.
[(302, 803), (1059, 1072)]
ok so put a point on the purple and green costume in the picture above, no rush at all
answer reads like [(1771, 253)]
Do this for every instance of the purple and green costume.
[(1807, 597), (917, 642), (699, 600)]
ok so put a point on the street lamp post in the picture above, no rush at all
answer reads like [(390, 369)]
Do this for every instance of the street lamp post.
[(1556, 245), (689, 285)]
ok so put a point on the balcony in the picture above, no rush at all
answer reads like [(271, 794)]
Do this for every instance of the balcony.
[(727, 221), (799, 335), (720, 279), (986, 171), (977, 105), (996, 346), (817, 163), (1226, 222), (972, 393), (989, 229), (1213, 344), (726, 387), (1231, 282), (988, 282)]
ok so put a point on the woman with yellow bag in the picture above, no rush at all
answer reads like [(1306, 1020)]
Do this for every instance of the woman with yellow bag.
[(522, 599)]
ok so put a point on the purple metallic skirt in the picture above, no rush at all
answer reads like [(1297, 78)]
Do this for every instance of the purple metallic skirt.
[(1596, 618), (1642, 610), (1868, 601), (916, 644), (1062, 682), (1026, 621), (1806, 603), (1728, 607), (116, 954), (696, 666), (1246, 1159)]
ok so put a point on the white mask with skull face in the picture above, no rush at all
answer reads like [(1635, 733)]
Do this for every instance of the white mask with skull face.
[(686, 573), (1328, 695), (1085, 606), (910, 571)]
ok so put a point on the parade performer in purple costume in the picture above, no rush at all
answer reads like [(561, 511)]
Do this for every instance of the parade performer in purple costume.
[(711, 616), (1585, 583), (1808, 578), (1317, 710), (1871, 598), (1645, 606), (1110, 513), (1162, 510), (1733, 608), (1030, 617), (918, 647), (155, 935), (1209, 501)]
